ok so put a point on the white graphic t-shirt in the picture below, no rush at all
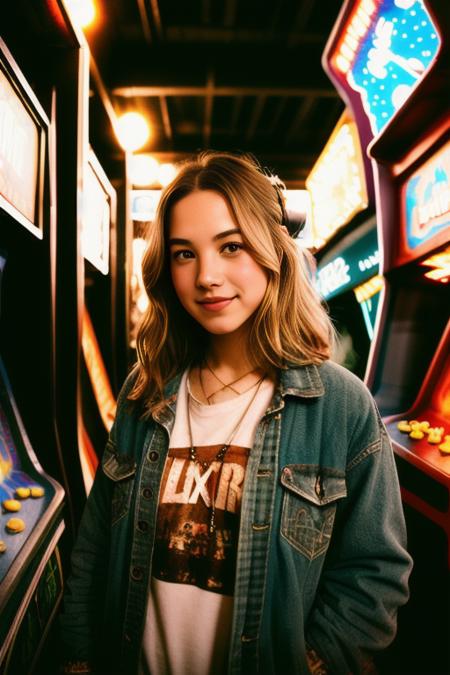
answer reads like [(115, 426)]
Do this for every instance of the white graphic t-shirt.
[(188, 623)]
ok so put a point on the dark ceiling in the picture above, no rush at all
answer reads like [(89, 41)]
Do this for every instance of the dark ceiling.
[(241, 76)]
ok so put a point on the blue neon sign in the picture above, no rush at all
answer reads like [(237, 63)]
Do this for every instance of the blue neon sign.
[(399, 45)]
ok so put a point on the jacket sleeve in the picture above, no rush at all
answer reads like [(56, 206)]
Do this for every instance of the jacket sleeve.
[(82, 619), (84, 597), (365, 576)]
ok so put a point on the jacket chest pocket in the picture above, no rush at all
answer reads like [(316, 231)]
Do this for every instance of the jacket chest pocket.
[(309, 506), (121, 469)]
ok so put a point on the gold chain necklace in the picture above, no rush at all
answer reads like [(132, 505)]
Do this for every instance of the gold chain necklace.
[(225, 385), (220, 455)]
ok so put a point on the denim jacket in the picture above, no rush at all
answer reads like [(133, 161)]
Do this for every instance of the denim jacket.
[(321, 559)]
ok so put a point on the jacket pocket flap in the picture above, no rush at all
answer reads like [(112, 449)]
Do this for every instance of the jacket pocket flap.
[(117, 466), (318, 484)]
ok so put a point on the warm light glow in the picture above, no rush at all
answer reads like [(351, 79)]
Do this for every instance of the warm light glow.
[(337, 181), (143, 170), (440, 264), (133, 131), (82, 12), (354, 32), (369, 288), (166, 174)]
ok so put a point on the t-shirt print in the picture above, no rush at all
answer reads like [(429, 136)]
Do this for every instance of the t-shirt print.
[(185, 551)]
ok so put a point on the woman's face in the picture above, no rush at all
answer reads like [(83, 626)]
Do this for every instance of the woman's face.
[(215, 278)]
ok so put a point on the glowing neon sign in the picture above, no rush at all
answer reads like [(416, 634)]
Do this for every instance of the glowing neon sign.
[(386, 48), (368, 296), (349, 267), (337, 183), (440, 266), (427, 199)]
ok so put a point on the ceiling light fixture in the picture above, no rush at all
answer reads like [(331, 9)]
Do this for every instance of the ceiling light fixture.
[(133, 131), (83, 12)]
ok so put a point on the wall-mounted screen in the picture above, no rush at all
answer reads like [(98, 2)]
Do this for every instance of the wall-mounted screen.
[(98, 208), (23, 130)]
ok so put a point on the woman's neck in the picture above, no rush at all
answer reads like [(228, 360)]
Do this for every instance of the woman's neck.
[(229, 353)]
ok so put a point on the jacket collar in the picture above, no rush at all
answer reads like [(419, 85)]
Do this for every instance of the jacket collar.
[(303, 381)]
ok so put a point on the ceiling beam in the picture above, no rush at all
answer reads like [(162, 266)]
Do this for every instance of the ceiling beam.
[(165, 118), (277, 115), (230, 13), (221, 90), (146, 29), (237, 105), (156, 19), (209, 101), (301, 117), (206, 12), (217, 34), (256, 114), (140, 64), (300, 23)]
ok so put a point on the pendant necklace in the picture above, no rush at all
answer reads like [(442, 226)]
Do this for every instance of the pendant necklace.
[(220, 455)]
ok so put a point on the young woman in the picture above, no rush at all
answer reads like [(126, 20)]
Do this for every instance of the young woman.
[(246, 517)]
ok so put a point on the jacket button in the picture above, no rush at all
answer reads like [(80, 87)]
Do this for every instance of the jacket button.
[(147, 493), (142, 526), (154, 456), (137, 573)]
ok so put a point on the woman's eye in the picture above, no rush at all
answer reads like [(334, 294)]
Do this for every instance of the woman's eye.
[(232, 247), (182, 255)]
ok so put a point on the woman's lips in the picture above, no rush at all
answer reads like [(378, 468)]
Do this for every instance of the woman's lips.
[(216, 305)]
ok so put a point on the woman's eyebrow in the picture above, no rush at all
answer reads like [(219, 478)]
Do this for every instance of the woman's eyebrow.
[(227, 233), (221, 235)]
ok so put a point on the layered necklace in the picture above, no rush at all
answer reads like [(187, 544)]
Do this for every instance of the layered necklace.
[(220, 455), (225, 385)]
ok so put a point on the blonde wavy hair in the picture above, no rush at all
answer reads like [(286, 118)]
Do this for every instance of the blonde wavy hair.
[(289, 327)]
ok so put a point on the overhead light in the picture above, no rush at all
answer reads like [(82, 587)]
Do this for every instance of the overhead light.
[(166, 174), (82, 12), (143, 170), (133, 131)]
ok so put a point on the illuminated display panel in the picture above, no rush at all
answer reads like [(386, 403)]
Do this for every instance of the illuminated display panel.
[(385, 49), (336, 183), (98, 204), (352, 266), (426, 200), (23, 128)]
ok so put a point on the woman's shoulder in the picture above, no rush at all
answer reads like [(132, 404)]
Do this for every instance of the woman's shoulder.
[(348, 399), (337, 378)]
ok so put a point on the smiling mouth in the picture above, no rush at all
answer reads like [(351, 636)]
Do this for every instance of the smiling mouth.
[(215, 304)]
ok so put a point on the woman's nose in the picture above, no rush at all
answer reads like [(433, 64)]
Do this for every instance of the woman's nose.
[(209, 272)]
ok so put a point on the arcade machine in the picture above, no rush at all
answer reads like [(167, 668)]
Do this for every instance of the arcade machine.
[(345, 237), (31, 500), (391, 60), (31, 579)]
